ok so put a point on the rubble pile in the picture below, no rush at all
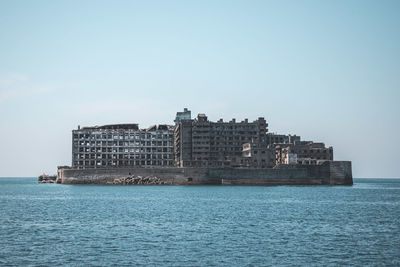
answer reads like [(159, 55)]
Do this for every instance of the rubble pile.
[(137, 180)]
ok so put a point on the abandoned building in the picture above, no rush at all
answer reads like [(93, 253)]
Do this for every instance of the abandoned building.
[(257, 156), (122, 145), (203, 143), (192, 143), (303, 152), (273, 138), (185, 115)]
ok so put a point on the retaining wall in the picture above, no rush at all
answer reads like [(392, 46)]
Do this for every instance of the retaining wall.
[(328, 173)]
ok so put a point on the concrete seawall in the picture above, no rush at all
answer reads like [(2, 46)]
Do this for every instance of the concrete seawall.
[(328, 173)]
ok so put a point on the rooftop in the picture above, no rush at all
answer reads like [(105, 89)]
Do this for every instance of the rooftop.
[(127, 126)]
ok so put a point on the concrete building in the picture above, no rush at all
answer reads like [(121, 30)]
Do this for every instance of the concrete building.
[(200, 142), (256, 156), (273, 138), (121, 145), (192, 143), (261, 155), (185, 115), (307, 152), (287, 157)]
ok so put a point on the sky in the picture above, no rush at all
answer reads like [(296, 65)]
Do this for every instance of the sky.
[(328, 71)]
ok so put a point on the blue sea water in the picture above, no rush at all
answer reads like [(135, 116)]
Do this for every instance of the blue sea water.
[(77, 225)]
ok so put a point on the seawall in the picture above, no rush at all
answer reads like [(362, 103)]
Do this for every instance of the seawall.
[(328, 173)]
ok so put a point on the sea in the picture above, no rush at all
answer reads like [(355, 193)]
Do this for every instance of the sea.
[(87, 225)]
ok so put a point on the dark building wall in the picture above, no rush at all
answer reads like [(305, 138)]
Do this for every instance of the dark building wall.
[(185, 115), (183, 142), (202, 143)]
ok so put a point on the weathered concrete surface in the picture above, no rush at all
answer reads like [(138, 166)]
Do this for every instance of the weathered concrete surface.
[(340, 173), (328, 173)]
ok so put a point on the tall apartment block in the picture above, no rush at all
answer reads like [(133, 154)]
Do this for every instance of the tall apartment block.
[(122, 145), (203, 143), (185, 115)]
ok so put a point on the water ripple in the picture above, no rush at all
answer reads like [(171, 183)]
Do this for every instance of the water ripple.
[(51, 224)]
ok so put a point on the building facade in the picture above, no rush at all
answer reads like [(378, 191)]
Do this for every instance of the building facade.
[(306, 152), (122, 145), (203, 143), (185, 115), (256, 156), (273, 138)]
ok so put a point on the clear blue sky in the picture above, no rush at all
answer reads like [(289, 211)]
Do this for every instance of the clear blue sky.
[(325, 70)]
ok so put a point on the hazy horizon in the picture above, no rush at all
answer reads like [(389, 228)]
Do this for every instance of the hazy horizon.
[(327, 71)]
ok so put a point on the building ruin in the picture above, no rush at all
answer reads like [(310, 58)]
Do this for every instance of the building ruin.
[(121, 145), (196, 142), (203, 143)]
